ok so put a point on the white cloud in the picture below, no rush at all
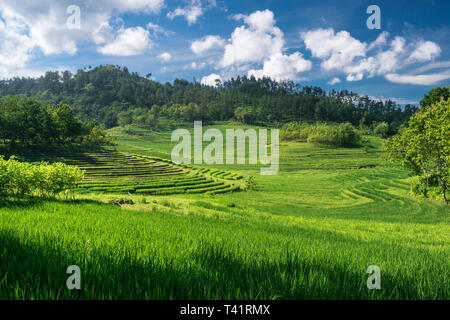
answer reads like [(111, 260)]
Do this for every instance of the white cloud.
[(195, 66), (336, 50), (425, 51), (340, 51), (257, 47), (157, 29), (191, 12), (283, 67), (128, 42), (165, 56), (381, 40), (211, 80), (422, 79), (401, 101), (207, 43), (434, 65), (335, 80), (41, 25), (148, 6), (16, 47), (263, 21), (255, 43)]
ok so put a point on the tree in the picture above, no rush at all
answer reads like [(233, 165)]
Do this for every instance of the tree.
[(435, 95), (382, 129), (424, 147)]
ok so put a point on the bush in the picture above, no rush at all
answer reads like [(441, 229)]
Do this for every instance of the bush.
[(426, 187), (343, 135), (294, 131), (382, 129), (19, 179)]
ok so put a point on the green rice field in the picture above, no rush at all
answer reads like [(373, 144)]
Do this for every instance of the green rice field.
[(199, 232)]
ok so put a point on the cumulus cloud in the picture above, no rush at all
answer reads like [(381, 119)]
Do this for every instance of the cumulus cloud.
[(191, 12), (335, 80), (336, 50), (16, 47), (425, 51), (253, 43), (211, 80), (128, 42), (381, 40), (41, 25), (421, 79), (283, 67), (165, 56), (256, 47), (342, 52), (207, 43)]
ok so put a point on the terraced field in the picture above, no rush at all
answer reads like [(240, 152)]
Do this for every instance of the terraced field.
[(309, 232), (117, 172), (374, 185)]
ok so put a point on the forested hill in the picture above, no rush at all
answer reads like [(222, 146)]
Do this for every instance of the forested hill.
[(112, 95)]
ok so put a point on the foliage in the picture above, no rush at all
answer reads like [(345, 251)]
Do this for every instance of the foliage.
[(434, 96), (382, 129), (98, 136), (113, 96), (244, 115), (28, 123), (19, 179), (342, 135), (424, 147)]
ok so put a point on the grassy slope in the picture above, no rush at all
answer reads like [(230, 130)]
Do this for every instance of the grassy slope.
[(309, 232)]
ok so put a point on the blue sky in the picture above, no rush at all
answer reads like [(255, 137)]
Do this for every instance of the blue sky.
[(324, 43)]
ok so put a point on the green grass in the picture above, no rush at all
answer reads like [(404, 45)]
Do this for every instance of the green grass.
[(309, 232)]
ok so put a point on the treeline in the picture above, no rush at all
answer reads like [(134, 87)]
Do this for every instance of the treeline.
[(29, 123), (20, 179), (114, 96)]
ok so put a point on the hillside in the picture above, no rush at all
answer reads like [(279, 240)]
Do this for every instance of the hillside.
[(112, 95), (309, 232)]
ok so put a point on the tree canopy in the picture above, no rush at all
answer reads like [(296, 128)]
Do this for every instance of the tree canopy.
[(424, 147), (29, 123), (111, 95)]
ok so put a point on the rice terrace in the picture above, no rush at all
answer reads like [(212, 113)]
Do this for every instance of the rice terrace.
[(129, 185)]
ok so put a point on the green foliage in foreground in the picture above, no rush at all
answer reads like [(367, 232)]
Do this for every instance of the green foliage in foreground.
[(213, 252), (424, 148), (343, 135), (19, 179), (309, 232)]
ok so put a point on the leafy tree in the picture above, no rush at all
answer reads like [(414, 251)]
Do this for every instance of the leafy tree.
[(102, 93), (382, 129), (424, 146), (28, 123), (435, 95)]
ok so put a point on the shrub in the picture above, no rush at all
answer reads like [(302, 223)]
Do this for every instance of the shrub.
[(343, 135), (382, 129), (19, 179)]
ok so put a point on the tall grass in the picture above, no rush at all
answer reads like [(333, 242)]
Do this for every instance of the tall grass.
[(226, 255)]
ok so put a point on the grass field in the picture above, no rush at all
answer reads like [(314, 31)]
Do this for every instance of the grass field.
[(309, 232)]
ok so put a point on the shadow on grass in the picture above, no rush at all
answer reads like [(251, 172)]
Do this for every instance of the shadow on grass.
[(28, 202), (31, 270)]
